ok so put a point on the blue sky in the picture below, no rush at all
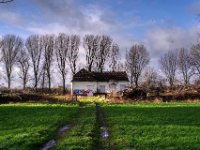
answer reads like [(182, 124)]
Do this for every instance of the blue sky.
[(130, 18), (155, 23), (160, 25)]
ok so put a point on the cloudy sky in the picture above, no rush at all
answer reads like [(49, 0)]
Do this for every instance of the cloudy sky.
[(158, 24)]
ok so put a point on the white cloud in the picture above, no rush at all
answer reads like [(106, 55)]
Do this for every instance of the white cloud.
[(11, 18), (159, 40)]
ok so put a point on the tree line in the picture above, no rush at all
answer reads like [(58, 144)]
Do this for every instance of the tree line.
[(178, 65), (38, 55)]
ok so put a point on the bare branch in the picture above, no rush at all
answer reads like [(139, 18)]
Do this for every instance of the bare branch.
[(103, 52), (72, 54), (62, 47), (114, 57), (184, 65), (91, 45), (48, 47), (24, 65), (11, 45), (168, 64), (136, 60), (34, 47), (195, 58)]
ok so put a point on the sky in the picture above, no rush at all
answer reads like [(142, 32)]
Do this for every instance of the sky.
[(160, 25)]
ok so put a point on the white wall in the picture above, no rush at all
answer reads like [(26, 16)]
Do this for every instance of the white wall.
[(84, 85)]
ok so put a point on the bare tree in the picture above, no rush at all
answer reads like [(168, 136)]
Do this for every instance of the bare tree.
[(48, 46), (34, 47), (91, 45), (62, 47), (168, 64), (10, 47), (24, 65), (184, 65), (103, 52), (195, 58), (114, 57), (136, 60), (150, 77), (73, 53), (43, 75)]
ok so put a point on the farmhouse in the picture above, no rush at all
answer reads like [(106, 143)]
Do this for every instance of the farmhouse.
[(85, 82)]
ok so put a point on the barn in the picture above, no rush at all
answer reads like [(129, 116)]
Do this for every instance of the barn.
[(86, 83)]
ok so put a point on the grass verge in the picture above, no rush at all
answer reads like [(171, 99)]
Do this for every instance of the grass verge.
[(81, 136), (154, 126), (27, 126)]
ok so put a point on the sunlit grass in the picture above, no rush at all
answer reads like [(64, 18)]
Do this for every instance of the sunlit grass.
[(81, 135), (66, 97), (27, 126), (154, 126), (92, 99)]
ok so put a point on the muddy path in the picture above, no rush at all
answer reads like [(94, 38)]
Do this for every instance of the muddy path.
[(100, 133), (62, 131), (102, 139)]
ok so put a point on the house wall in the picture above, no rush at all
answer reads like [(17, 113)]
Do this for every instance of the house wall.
[(117, 87), (83, 85), (94, 86)]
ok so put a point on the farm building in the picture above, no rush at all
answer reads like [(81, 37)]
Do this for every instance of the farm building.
[(85, 82)]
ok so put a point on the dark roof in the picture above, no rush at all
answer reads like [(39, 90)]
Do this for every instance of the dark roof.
[(84, 75)]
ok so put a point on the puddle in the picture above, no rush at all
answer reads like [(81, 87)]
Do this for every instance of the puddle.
[(49, 145), (104, 132), (64, 129), (52, 142)]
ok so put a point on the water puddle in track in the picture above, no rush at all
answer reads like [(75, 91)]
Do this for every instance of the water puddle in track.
[(104, 132), (61, 131), (64, 129), (49, 145)]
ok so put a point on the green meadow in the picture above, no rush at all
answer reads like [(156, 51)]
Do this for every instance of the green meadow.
[(131, 126), (28, 126), (154, 126)]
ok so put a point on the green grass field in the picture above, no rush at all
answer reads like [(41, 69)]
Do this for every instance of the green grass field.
[(81, 135), (131, 126), (27, 126), (154, 126)]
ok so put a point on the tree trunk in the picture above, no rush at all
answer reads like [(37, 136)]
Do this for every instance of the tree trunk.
[(90, 68), (36, 82), (24, 83), (136, 83), (9, 83), (64, 91), (43, 80), (49, 84)]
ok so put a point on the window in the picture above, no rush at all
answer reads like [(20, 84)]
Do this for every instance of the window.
[(113, 86), (102, 89)]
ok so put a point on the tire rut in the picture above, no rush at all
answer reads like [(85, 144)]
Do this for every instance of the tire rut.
[(62, 132), (102, 130)]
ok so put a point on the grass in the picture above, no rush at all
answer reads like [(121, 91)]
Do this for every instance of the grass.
[(92, 99), (29, 125), (154, 126), (81, 136), (138, 126), (66, 97)]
